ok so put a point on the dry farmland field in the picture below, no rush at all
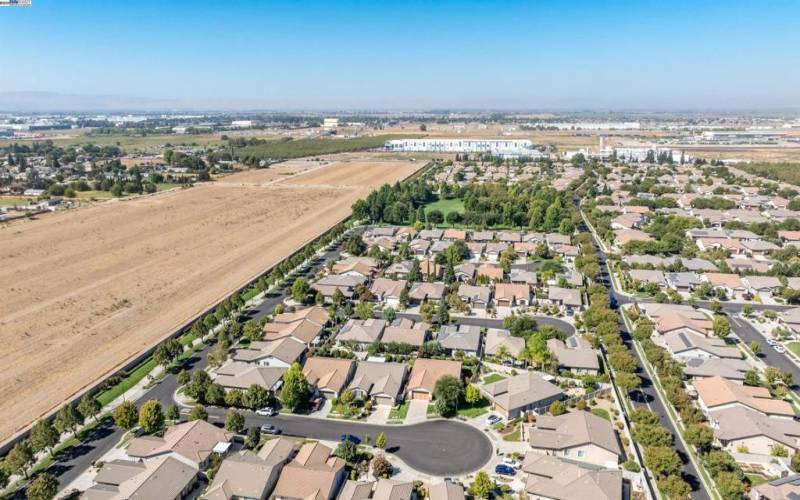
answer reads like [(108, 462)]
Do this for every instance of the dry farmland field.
[(87, 289)]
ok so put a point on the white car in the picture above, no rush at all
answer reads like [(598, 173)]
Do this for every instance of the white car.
[(779, 348), (512, 462), (266, 412), (492, 419)]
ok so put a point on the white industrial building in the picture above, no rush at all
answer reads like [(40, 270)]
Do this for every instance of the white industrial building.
[(507, 148), (588, 125)]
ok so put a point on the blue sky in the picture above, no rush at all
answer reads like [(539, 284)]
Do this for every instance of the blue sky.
[(410, 55)]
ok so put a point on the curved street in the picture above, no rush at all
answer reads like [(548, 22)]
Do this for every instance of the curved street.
[(438, 447)]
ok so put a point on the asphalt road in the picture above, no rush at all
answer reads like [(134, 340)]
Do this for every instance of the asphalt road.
[(747, 333), (438, 447), (647, 395)]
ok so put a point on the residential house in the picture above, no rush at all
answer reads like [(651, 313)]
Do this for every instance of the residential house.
[(730, 284), (493, 272), (576, 355), (729, 368), (314, 474), (646, 277), (624, 236), (278, 353), (465, 272), (429, 269), (498, 339), (577, 435), (400, 270), (778, 489), (164, 477), (464, 339), (512, 294), (189, 442), (426, 372), (482, 236), (478, 297), (764, 285), (345, 283), (454, 234), (380, 382), (241, 375), (247, 475), (740, 427), (404, 331), (445, 490), (520, 394), (493, 251), (431, 234), (717, 393), (388, 291), (363, 333), (419, 247), (328, 376), (305, 325), (683, 281), (362, 267), (523, 276), (565, 297), (551, 478), (426, 292)]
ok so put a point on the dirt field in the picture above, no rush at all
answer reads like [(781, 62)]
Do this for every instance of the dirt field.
[(85, 290)]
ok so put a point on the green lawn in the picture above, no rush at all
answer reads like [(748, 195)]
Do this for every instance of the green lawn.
[(756, 479), (136, 375), (475, 410), (11, 201), (600, 412), (163, 186), (492, 378), (794, 347), (431, 411), (446, 206), (514, 435), (400, 412), (298, 148)]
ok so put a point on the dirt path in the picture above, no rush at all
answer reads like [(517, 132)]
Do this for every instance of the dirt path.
[(85, 290)]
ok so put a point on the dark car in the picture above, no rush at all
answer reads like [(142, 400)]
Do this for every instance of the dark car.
[(349, 437), (269, 429), (504, 470), (612, 301)]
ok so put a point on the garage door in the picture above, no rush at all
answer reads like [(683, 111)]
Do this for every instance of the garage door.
[(420, 395), (384, 400)]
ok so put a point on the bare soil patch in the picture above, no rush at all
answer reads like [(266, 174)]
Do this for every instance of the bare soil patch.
[(86, 290)]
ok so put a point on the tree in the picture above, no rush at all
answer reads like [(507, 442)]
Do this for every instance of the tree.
[(3, 478), (253, 437), (354, 245), (446, 394), (652, 435), (729, 485), (472, 394), (381, 468), (348, 451), (234, 421), (380, 441), (751, 378), (215, 395), (255, 397), (674, 488), (663, 461), (300, 290), (771, 374), (699, 435), (89, 407), (294, 394), (627, 381), (482, 486), (755, 347), (151, 418), (125, 415), (364, 310), (67, 419), (434, 216), (198, 413), (721, 326), (795, 464), (43, 487), (43, 436), (167, 352), (19, 458), (557, 408), (389, 315), (173, 413)]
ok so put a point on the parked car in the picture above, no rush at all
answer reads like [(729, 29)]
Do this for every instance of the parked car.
[(269, 429), (612, 302), (266, 412), (779, 348), (349, 437), (504, 470), (512, 462), (492, 419), (772, 342), (568, 311)]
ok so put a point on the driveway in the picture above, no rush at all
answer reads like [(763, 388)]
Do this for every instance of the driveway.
[(437, 447), (379, 414), (417, 411)]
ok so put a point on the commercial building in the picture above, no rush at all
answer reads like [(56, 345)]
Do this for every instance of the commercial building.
[(507, 148)]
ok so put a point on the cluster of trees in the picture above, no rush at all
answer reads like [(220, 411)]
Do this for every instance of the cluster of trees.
[(713, 202), (256, 150), (669, 237), (400, 203)]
